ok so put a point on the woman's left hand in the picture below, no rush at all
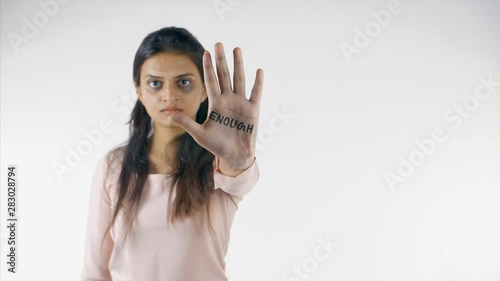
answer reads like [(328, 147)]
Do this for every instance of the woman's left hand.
[(230, 131)]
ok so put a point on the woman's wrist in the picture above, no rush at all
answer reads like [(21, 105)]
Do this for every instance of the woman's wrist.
[(233, 170)]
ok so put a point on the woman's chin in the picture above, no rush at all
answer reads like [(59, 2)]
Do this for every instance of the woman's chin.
[(171, 125), (167, 124)]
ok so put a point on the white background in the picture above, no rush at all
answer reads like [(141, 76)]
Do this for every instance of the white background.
[(323, 171)]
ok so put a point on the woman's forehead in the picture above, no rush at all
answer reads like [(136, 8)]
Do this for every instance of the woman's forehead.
[(168, 65)]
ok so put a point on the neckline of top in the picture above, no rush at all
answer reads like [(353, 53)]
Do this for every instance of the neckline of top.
[(158, 175)]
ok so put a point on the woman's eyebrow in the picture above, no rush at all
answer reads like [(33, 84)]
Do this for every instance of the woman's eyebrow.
[(159, 77)]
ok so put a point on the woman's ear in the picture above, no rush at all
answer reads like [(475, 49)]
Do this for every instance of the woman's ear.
[(203, 94), (138, 91)]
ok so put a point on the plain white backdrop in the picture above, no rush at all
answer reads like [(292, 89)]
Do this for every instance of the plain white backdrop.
[(379, 133)]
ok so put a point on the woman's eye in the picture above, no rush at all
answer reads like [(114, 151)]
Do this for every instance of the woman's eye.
[(155, 85), (186, 84)]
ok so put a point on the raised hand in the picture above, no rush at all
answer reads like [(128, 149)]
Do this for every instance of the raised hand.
[(230, 131)]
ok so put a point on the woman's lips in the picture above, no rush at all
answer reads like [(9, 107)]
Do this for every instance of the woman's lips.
[(170, 111)]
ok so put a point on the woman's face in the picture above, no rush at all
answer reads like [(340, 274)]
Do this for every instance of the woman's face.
[(170, 81)]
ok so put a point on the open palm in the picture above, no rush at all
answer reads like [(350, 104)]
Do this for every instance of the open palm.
[(230, 130)]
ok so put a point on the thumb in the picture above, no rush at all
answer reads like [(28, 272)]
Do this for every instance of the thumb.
[(188, 124)]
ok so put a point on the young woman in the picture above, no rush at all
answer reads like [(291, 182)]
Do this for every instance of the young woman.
[(162, 204)]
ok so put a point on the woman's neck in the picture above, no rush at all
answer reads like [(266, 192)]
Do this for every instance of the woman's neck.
[(162, 149)]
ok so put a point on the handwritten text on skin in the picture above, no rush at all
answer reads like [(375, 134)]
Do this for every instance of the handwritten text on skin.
[(230, 122)]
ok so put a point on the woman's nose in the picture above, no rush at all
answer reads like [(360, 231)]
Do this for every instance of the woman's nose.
[(170, 92)]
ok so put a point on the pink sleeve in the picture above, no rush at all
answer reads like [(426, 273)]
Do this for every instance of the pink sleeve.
[(240, 185), (95, 263)]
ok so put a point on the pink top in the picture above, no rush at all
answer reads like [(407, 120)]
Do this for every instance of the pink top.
[(152, 252)]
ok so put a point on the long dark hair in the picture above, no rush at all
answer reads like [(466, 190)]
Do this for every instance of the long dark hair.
[(193, 168)]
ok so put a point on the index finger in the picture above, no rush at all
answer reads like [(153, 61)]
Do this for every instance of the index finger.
[(210, 79)]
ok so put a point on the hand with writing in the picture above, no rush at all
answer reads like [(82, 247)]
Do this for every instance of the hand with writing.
[(230, 130)]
